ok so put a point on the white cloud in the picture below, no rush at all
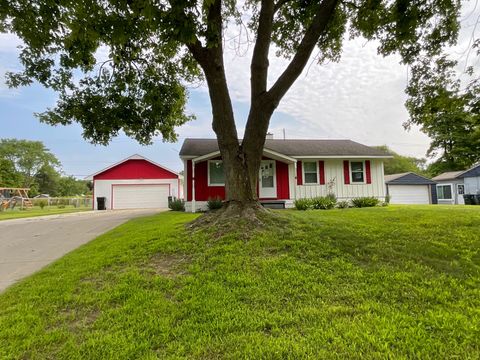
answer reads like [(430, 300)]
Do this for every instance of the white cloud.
[(361, 98)]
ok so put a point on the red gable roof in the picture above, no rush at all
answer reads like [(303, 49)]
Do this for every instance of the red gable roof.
[(135, 167)]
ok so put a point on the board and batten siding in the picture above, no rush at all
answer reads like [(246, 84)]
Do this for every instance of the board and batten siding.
[(334, 172)]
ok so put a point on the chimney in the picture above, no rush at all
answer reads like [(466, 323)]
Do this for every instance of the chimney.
[(269, 136)]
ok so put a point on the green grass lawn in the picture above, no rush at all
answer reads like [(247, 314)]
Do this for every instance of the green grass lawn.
[(395, 282), (37, 211)]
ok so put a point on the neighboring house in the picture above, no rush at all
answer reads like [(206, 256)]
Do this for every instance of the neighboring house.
[(454, 184), (290, 169), (135, 182), (410, 188)]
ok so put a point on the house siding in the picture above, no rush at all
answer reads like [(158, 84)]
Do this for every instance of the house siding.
[(456, 199), (335, 175), (472, 185), (135, 169), (204, 192), (104, 188)]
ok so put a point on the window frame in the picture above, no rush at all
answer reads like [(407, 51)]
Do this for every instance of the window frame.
[(451, 192), (208, 173), (364, 172), (310, 172)]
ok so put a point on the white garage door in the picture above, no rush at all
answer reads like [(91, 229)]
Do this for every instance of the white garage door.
[(409, 194), (140, 196)]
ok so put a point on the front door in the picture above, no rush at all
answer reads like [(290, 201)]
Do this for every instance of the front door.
[(267, 183)]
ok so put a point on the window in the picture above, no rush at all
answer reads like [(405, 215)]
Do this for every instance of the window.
[(216, 176), (460, 189), (444, 192), (357, 171), (310, 172)]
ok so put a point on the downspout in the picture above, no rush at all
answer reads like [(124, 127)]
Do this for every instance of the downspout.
[(193, 186)]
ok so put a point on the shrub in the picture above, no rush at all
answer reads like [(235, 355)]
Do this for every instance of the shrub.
[(61, 206), (365, 202), (302, 204), (332, 197), (387, 199), (324, 202), (42, 203), (177, 205), (214, 203), (344, 204)]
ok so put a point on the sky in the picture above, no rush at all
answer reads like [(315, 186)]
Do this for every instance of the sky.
[(359, 98)]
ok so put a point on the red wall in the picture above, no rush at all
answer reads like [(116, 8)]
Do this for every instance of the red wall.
[(135, 169), (283, 190), (203, 192)]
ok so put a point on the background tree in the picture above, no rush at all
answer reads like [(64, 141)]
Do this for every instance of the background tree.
[(447, 111), (401, 164), (47, 180), (27, 157), (156, 47), (8, 175), (70, 186)]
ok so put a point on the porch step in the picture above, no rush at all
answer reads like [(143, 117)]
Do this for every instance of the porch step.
[(273, 204)]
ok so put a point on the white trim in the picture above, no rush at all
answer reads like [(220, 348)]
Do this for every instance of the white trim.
[(280, 155), (133, 157), (206, 156), (217, 153), (193, 186), (344, 157), (208, 173), (364, 171), (452, 194), (316, 170)]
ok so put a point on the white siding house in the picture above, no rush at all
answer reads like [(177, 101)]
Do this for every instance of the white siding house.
[(453, 185)]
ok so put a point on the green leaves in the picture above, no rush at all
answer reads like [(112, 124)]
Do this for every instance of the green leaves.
[(138, 89), (144, 44), (23, 159), (448, 114)]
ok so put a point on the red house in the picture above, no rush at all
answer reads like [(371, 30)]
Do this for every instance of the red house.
[(135, 183), (290, 169)]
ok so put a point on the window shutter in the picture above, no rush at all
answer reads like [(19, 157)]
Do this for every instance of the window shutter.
[(368, 173), (346, 172), (299, 173), (321, 169)]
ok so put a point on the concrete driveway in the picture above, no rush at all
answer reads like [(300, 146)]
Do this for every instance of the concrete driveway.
[(27, 245)]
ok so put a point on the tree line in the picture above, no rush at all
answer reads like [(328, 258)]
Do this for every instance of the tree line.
[(29, 164)]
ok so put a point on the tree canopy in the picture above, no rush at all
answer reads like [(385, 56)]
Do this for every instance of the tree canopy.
[(26, 163), (26, 158), (156, 48), (401, 164), (447, 110)]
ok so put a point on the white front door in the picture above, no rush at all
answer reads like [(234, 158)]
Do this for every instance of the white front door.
[(267, 183), (460, 192)]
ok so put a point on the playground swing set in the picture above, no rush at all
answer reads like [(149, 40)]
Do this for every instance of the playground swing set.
[(10, 197)]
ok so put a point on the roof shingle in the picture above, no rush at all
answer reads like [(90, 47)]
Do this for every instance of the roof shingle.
[(289, 147)]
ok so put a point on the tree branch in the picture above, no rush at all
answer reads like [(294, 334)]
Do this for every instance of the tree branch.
[(259, 65), (279, 4), (310, 39)]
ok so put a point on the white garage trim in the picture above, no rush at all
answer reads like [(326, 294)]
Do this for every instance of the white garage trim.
[(409, 194), (150, 191)]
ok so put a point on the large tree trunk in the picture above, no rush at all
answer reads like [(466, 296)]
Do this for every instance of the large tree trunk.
[(242, 160)]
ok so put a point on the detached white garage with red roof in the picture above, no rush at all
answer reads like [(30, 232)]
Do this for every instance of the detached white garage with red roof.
[(135, 183)]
